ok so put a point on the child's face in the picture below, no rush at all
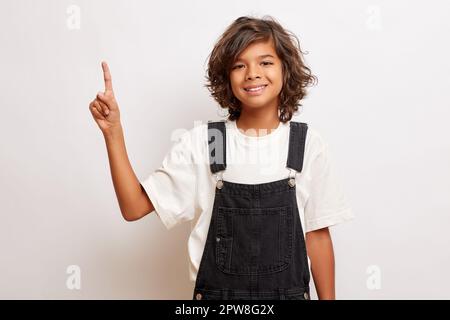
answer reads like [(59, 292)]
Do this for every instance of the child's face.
[(250, 69)]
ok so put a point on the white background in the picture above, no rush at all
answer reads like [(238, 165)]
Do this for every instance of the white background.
[(382, 104)]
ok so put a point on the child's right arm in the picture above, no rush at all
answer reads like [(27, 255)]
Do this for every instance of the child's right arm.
[(133, 200)]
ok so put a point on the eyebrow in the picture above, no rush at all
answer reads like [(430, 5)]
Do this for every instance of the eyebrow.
[(260, 57)]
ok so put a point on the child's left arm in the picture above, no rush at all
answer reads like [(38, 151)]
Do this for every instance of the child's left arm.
[(320, 251)]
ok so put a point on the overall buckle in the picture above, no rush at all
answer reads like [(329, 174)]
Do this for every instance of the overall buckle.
[(219, 180), (291, 180)]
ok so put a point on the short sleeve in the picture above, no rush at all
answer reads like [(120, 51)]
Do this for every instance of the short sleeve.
[(171, 188), (327, 204)]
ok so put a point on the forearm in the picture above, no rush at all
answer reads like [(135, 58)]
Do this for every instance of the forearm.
[(320, 252), (127, 187)]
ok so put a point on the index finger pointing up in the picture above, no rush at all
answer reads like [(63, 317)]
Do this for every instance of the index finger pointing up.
[(107, 77)]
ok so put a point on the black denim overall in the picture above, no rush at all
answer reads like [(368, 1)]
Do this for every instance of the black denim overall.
[(255, 248)]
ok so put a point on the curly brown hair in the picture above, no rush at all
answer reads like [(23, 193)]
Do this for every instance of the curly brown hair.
[(240, 34)]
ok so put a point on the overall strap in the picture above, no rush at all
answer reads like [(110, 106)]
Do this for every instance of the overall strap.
[(297, 138), (217, 146)]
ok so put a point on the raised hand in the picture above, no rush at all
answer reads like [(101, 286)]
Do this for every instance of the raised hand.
[(104, 107)]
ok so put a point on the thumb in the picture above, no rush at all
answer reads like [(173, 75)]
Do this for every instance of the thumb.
[(109, 100)]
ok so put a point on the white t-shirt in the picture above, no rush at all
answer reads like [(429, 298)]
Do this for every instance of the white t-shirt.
[(183, 187)]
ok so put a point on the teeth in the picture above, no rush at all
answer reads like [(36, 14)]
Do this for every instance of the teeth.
[(255, 89)]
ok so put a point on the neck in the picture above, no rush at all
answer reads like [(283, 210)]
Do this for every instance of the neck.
[(257, 122)]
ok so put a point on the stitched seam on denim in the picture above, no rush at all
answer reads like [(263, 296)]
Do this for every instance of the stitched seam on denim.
[(282, 264)]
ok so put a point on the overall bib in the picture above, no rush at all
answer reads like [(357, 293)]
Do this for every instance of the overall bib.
[(255, 248)]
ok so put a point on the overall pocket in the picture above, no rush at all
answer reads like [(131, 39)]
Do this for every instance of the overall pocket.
[(253, 240)]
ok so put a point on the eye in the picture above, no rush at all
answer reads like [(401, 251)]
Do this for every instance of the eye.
[(240, 65)]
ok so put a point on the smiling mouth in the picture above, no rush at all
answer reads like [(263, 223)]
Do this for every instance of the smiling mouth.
[(256, 90)]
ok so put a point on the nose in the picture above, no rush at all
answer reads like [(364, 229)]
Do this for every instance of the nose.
[(252, 77), (252, 73)]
